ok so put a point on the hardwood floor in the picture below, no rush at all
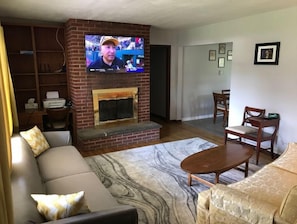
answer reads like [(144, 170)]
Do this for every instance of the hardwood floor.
[(177, 130), (170, 131)]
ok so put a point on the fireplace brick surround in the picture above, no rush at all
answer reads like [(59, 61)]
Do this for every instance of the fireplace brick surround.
[(82, 83)]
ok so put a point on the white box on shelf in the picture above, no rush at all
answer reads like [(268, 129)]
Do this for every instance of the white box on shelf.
[(31, 106)]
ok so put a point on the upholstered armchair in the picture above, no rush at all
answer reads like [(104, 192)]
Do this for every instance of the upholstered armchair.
[(268, 196)]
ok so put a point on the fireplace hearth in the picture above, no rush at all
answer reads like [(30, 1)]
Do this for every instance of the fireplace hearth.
[(115, 105)]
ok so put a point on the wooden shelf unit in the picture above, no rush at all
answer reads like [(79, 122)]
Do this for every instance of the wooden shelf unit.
[(37, 61)]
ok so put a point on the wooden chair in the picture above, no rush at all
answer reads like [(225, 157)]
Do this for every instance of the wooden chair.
[(251, 128), (220, 105), (58, 119), (226, 91)]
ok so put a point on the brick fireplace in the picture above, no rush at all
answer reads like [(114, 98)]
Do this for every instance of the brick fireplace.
[(81, 84)]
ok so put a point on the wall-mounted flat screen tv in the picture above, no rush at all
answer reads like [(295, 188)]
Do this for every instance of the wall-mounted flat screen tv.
[(114, 54)]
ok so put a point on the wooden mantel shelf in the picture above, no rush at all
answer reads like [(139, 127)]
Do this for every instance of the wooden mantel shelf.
[(107, 131)]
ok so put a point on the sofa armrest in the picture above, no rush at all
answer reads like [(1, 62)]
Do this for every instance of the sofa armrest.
[(58, 138), (288, 209), (229, 205), (203, 207), (279, 220), (124, 214)]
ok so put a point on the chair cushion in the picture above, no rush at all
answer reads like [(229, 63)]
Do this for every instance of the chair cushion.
[(242, 129), (57, 125)]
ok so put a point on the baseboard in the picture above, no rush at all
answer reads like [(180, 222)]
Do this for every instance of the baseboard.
[(198, 117)]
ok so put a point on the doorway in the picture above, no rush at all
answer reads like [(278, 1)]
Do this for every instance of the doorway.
[(160, 81)]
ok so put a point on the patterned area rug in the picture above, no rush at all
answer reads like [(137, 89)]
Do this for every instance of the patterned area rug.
[(150, 178)]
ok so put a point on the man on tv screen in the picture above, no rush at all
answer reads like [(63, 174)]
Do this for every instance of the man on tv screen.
[(107, 60)]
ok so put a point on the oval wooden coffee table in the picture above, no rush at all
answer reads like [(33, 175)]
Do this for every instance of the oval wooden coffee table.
[(216, 160)]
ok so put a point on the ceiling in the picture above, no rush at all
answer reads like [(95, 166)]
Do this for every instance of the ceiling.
[(165, 14)]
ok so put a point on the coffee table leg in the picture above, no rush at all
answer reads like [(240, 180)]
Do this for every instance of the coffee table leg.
[(189, 179), (217, 180), (246, 172), (192, 176)]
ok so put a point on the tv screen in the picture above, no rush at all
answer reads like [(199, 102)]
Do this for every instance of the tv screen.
[(114, 54)]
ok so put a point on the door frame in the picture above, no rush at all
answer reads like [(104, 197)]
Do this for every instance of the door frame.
[(167, 78)]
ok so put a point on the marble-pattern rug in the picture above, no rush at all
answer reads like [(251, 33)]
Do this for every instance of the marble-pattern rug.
[(150, 178)]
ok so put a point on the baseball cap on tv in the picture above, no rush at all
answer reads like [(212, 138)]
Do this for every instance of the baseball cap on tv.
[(106, 39)]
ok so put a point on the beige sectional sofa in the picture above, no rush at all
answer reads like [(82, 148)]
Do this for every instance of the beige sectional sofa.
[(60, 170), (266, 197)]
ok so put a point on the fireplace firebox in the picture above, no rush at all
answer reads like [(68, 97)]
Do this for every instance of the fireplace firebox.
[(115, 105)]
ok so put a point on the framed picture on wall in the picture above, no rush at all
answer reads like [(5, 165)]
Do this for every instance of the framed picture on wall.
[(229, 55), (221, 62), (222, 48), (267, 53), (212, 55)]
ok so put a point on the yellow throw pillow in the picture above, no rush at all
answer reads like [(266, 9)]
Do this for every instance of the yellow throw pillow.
[(36, 140), (54, 207)]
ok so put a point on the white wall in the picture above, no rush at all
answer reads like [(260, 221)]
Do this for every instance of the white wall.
[(272, 87), (201, 77)]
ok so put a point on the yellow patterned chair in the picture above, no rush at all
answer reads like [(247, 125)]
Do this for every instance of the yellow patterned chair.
[(267, 197)]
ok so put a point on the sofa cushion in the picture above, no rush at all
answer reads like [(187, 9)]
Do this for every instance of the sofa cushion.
[(288, 209), (36, 140), (58, 138), (288, 159), (228, 205), (54, 207), (25, 180), (265, 181), (97, 196), (60, 162)]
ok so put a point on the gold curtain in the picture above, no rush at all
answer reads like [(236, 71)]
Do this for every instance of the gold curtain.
[(7, 112)]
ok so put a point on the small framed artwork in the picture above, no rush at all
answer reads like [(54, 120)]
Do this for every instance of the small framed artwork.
[(229, 55), (267, 53), (222, 48), (212, 55), (221, 62)]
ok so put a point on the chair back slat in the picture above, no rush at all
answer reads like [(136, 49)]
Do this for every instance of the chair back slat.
[(220, 105), (226, 92), (220, 99), (252, 112)]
